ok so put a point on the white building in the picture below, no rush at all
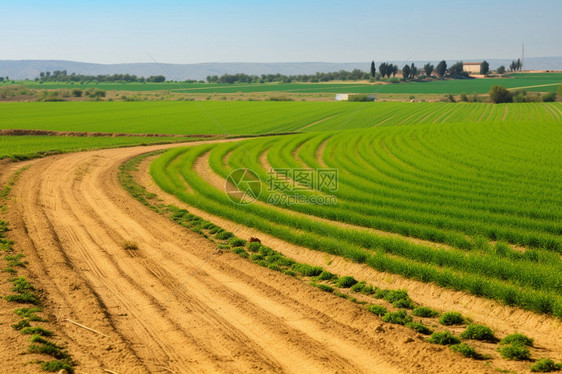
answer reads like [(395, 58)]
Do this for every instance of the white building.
[(471, 67)]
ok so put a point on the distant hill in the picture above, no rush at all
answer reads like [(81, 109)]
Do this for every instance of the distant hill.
[(30, 69)]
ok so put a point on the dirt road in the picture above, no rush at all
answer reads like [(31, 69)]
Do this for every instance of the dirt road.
[(71, 217)]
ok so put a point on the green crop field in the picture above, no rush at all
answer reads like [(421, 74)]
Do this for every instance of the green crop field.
[(24, 147), (541, 82), (171, 117), (470, 206)]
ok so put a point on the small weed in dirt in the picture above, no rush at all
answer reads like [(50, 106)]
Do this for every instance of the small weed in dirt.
[(253, 246), (345, 282), (56, 366), (326, 276), (23, 298), (323, 287), (131, 246), (516, 352), (358, 287), (21, 285), (479, 332), (15, 260), (21, 324), (49, 349), (29, 313), (425, 312), (451, 318), (419, 327), (443, 338), (224, 235), (467, 351), (518, 339), (368, 290), (403, 304), (545, 365), (237, 242), (36, 331), (393, 296), (400, 317), (241, 252), (307, 270), (377, 309)]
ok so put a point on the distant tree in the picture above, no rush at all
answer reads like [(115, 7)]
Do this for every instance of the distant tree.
[(441, 68), (1, 79), (549, 97), (156, 79), (383, 69), (413, 71), (394, 69), (456, 70), (515, 65), (76, 92), (484, 68), (373, 69), (406, 72), (428, 69), (499, 94), (501, 70)]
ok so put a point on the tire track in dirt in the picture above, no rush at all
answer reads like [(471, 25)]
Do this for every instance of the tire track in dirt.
[(232, 317)]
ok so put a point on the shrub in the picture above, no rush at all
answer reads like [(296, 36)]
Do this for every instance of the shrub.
[(466, 351), (357, 287), (307, 270), (479, 332), (237, 242), (515, 352), (549, 97), (400, 317), (345, 282), (451, 318), (517, 339), (377, 309), (419, 327), (499, 94), (443, 338), (545, 365), (76, 92), (423, 311)]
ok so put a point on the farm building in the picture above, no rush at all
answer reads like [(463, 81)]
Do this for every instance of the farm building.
[(342, 97), (471, 67), (355, 97)]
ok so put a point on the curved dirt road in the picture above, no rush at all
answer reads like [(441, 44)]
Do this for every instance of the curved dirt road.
[(71, 218)]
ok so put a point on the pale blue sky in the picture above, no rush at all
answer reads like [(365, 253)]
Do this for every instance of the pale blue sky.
[(278, 31)]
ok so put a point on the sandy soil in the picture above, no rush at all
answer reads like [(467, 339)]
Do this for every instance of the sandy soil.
[(70, 217)]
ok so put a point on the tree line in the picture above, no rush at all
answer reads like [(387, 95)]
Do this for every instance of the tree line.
[(343, 75), (63, 76)]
